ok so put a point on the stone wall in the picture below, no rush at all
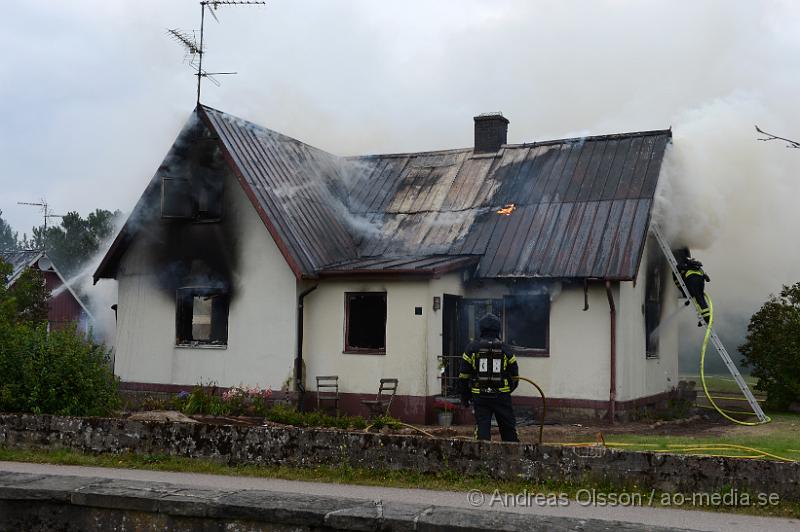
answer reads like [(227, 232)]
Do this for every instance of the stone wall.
[(305, 447)]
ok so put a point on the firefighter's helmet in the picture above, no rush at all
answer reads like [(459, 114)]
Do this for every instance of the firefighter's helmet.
[(490, 325)]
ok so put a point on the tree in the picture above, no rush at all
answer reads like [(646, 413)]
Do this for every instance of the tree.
[(769, 137), (72, 244), (31, 297), (24, 302), (8, 237), (772, 347)]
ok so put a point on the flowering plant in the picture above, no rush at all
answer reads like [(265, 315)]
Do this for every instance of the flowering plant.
[(443, 406), (246, 392), (247, 400)]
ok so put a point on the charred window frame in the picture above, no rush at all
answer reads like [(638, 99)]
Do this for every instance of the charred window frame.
[(471, 312), (201, 317), (653, 304), (365, 323), (526, 323), (176, 198), (180, 200)]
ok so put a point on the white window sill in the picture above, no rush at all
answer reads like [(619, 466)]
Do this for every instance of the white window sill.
[(200, 346)]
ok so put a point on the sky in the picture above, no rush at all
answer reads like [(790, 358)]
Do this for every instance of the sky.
[(92, 93)]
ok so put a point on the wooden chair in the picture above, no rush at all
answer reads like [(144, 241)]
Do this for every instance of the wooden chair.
[(328, 390), (383, 401)]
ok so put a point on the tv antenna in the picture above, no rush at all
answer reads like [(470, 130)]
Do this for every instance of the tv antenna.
[(45, 209), (195, 49)]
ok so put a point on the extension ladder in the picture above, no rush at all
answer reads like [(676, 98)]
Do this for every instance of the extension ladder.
[(723, 353)]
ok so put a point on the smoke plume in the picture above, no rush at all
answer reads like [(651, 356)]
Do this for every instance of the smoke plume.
[(733, 201)]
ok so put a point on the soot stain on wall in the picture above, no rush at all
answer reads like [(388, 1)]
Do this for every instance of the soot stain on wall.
[(190, 228)]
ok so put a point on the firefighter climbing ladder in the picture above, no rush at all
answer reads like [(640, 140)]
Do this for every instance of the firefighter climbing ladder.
[(723, 353)]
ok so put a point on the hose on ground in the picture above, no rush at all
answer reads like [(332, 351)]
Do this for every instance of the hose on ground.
[(720, 411), (423, 431), (544, 404)]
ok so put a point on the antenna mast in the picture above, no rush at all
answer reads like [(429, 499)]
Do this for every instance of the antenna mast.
[(195, 50), (46, 214)]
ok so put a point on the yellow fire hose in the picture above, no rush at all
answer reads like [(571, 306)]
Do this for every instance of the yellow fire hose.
[(720, 411), (724, 450), (720, 450), (425, 432), (526, 379), (544, 404)]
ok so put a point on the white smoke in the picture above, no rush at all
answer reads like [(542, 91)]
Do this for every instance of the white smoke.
[(733, 201), (99, 297)]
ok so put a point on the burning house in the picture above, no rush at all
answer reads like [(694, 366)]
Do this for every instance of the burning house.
[(64, 306), (253, 258)]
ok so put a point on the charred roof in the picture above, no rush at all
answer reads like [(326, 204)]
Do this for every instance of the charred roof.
[(570, 208)]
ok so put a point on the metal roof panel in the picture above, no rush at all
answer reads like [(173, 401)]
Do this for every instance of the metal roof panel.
[(582, 205)]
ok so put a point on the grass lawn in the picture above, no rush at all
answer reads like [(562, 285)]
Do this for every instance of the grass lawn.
[(344, 474), (720, 383), (781, 437)]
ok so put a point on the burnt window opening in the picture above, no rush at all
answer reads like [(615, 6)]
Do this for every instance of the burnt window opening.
[(527, 322), (176, 198), (365, 322), (652, 307), (471, 312), (201, 317), (183, 200)]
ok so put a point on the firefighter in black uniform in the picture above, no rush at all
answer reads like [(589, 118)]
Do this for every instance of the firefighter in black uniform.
[(695, 279), (486, 379)]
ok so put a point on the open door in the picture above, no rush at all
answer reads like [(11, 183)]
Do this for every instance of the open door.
[(459, 327), (451, 344)]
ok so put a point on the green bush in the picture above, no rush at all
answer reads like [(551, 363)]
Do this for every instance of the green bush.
[(772, 348), (289, 416), (204, 400), (385, 421), (58, 372)]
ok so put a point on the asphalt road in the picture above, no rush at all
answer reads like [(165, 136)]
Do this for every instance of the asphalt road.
[(689, 519)]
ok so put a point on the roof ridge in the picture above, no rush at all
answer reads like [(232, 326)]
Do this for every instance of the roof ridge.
[(447, 151)]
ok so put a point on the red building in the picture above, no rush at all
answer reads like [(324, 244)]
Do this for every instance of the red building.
[(65, 306)]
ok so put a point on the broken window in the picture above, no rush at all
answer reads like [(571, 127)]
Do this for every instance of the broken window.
[(176, 198), (652, 306), (527, 322), (471, 312), (365, 322), (201, 317), (184, 199)]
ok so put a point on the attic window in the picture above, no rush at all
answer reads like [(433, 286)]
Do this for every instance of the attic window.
[(365, 323), (176, 198), (527, 323), (201, 317), (183, 200)]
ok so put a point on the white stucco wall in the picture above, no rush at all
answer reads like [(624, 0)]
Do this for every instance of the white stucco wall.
[(577, 366), (448, 284), (637, 375), (406, 337), (262, 324), (261, 321)]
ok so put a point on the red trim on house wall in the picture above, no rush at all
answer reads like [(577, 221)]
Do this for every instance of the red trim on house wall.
[(419, 408), (153, 387)]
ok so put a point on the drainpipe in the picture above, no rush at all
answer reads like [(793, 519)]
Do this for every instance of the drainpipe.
[(298, 360), (612, 394)]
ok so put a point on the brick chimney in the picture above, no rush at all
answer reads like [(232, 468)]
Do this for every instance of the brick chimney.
[(491, 132)]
